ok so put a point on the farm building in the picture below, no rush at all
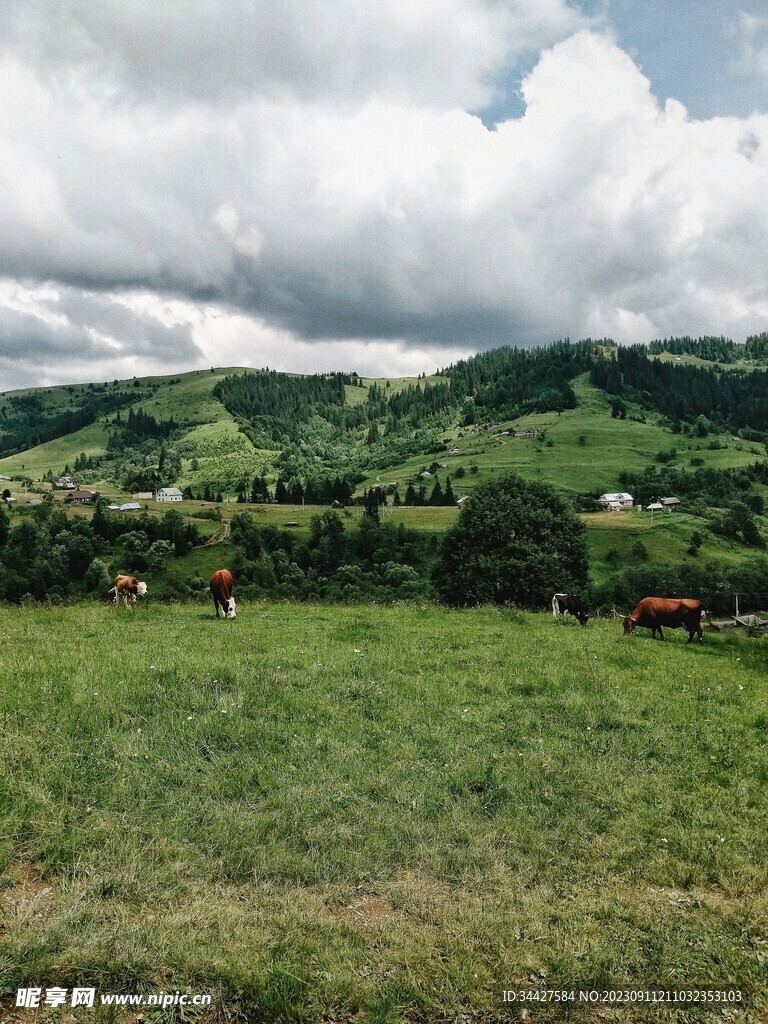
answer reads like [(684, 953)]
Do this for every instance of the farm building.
[(80, 497), (670, 503), (617, 498), (168, 494)]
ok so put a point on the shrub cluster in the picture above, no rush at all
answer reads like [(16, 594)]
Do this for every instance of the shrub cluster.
[(713, 582), (370, 561), (49, 554)]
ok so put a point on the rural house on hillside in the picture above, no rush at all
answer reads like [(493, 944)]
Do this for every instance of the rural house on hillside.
[(168, 494), (616, 500), (80, 497)]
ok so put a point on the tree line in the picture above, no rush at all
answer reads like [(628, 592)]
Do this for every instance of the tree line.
[(27, 420), (46, 554), (723, 399), (714, 350)]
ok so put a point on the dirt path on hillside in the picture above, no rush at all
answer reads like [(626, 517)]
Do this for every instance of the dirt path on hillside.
[(219, 536)]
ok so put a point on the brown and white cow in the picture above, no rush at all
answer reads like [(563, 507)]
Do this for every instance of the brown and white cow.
[(562, 603), (654, 612), (127, 589), (221, 589)]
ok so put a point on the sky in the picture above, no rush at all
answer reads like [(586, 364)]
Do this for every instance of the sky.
[(384, 187)]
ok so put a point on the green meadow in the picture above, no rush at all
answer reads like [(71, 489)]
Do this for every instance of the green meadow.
[(373, 814), (666, 537), (579, 450)]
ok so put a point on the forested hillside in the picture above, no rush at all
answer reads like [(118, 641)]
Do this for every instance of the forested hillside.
[(683, 417), (716, 350), (30, 419), (736, 400), (144, 434)]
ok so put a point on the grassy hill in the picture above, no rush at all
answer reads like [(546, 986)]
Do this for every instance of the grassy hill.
[(579, 450), (583, 449), (380, 814), (187, 398)]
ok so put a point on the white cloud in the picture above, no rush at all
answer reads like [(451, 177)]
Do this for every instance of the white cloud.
[(435, 52), (753, 34), (184, 203)]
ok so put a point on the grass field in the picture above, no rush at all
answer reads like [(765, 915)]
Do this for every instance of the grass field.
[(666, 537), (379, 814), (584, 449), (186, 397)]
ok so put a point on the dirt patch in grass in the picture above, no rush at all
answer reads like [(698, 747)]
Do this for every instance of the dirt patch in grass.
[(24, 893), (367, 911), (717, 900), (10, 1014)]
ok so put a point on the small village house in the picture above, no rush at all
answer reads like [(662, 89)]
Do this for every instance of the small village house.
[(168, 494), (616, 499), (80, 497)]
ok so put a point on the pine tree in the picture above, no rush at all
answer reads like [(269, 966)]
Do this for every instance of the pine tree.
[(281, 492), (371, 505), (436, 497)]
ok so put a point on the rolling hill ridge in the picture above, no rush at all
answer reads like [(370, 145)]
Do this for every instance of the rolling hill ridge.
[(683, 417)]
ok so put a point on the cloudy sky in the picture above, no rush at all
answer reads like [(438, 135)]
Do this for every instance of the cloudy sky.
[(377, 185)]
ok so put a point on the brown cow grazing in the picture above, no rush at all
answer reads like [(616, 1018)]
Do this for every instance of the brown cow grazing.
[(221, 589), (127, 589), (655, 612), (562, 603)]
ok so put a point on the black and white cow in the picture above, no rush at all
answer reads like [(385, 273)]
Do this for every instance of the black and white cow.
[(562, 603)]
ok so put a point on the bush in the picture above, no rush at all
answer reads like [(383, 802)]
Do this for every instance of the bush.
[(97, 580), (664, 456), (639, 551), (515, 542)]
